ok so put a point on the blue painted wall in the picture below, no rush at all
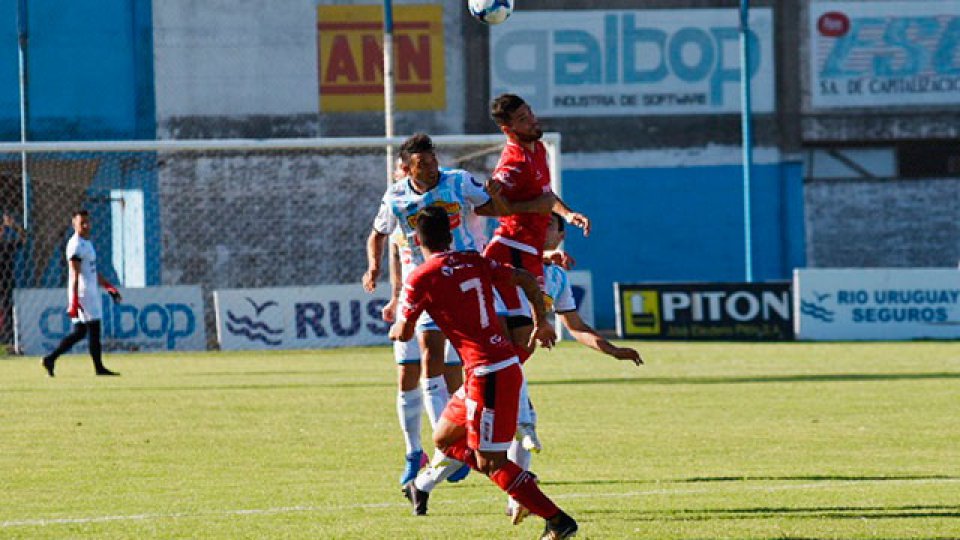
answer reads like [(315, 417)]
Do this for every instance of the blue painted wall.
[(90, 70), (683, 224)]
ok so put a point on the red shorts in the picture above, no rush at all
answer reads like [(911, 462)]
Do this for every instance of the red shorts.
[(518, 258), (487, 405)]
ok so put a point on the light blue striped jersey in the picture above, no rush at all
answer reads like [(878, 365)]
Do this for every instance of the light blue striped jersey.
[(556, 286), (456, 191)]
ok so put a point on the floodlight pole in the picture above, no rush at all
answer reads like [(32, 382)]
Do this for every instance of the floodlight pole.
[(746, 122), (22, 42), (388, 84)]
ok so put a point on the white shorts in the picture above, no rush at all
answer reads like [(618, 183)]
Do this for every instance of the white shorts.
[(408, 352), (91, 308)]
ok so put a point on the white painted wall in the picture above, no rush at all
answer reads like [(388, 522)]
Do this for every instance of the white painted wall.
[(237, 57)]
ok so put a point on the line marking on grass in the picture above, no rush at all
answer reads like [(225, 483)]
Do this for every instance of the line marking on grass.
[(44, 522)]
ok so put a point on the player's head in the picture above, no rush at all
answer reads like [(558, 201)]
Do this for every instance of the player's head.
[(515, 118), (555, 232), (433, 229), (420, 159), (81, 223)]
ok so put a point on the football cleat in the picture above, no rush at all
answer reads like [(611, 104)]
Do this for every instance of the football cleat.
[(47, 364), (415, 461), (559, 527), (527, 434), (518, 513), (104, 372), (417, 498), (459, 474)]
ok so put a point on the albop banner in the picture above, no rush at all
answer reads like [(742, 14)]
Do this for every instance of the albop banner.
[(874, 54), (876, 303), (706, 311), (148, 319), (350, 57), (301, 317), (637, 62)]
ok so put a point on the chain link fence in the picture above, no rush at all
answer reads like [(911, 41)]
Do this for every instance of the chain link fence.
[(217, 214)]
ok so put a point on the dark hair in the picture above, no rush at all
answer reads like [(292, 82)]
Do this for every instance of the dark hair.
[(416, 143), (433, 228), (80, 213), (561, 224), (504, 106)]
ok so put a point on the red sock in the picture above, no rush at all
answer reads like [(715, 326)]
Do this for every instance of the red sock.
[(521, 485), (460, 452)]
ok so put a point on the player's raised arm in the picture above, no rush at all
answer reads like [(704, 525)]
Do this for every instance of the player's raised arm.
[(574, 218), (585, 334)]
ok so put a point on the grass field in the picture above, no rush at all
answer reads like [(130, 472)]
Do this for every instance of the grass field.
[(706, 441)]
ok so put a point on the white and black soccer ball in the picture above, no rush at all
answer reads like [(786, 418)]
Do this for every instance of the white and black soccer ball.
[(490, 11)]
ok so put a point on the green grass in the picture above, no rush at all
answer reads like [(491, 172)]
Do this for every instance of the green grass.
[(706, 441)]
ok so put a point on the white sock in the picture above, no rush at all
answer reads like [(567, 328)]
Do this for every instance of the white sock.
[(521, 457), (435, 396), (441, 467), (409, 409), (525, 414)]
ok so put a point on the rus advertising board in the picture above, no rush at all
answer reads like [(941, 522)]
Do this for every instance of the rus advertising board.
[(876, 303), (704, 311), (875, 54), (625, 63), (350, 57), (148, 319), (301, 317)]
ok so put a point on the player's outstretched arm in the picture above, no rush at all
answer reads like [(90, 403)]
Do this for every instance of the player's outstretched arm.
[(586, 335), (543, 331), (375, 243), (574, 218)]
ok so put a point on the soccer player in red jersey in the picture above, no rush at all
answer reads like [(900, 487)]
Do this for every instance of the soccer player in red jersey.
[(524, 176), (479, 422)]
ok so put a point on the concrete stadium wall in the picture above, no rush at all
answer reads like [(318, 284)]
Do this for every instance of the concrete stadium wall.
[(883, 223), (249, 69)]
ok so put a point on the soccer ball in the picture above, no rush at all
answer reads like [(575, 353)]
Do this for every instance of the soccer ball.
[(490, 11)]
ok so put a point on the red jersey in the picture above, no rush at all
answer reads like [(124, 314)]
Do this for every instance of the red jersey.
[(456, 289), (524, 176)]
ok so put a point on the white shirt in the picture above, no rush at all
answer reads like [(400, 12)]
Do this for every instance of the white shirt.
[(87, 288)]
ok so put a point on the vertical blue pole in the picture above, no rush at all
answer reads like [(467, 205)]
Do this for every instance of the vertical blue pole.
[(746, 122), (22, 42), (388, 85)]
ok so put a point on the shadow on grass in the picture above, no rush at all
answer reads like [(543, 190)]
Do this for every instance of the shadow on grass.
[(817, 478), (815, 512), (814, 378), (707, 479), (209, 387)]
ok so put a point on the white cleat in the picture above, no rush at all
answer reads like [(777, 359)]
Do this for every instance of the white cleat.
[(527, 434), (518, 513)]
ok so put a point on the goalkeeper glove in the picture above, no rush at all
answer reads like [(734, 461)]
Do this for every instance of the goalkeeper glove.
[(113, 292), (73, 310)]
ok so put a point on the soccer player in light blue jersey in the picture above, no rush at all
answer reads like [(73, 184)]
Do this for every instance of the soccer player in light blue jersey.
[(463, 198)]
